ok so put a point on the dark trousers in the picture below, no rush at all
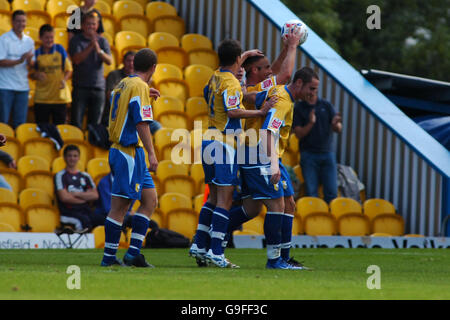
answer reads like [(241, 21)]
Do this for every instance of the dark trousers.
[(85, 98), (43, 113)]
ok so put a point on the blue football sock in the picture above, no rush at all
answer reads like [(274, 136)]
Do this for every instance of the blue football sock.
[(139, 227), (202, 237), (113, 229), (286, 235), (219, 226), (238, 216), (272, 232)]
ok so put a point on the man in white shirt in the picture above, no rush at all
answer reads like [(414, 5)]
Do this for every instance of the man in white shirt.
[(16, 55)]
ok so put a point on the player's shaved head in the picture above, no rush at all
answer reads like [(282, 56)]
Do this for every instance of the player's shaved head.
[(228, 51), (306, 74), (144, 60)]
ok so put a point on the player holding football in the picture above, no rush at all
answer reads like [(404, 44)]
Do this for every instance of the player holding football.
[(131, 110), (224, 97)]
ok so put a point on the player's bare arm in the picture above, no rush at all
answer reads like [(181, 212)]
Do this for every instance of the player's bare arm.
[(146, 138)]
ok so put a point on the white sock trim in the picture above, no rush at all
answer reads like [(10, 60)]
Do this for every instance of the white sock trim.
[(142, 215), (279, 213), (117, 223), (202, 227)]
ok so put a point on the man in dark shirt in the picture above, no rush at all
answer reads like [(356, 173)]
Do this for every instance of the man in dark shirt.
[(88, 51), (314, 122), (74, 191), (87, 7)]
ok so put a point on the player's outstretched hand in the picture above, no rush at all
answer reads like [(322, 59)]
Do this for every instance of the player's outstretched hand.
[(292, 39), (154, 93)]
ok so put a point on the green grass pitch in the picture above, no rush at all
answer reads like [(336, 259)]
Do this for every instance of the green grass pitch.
[(338, 274)]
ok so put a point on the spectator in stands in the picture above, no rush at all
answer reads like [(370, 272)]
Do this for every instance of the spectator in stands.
[(113, 79), (16, 54), (87, 7), (8, 160), (74, 192), (52, 70), (314, 122), (88, 51)]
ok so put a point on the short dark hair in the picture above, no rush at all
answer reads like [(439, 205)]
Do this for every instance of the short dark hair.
[(229, 50), (89, 15), (248, 63), (45, 28), (18, 13), (129, 53), (70, 147), (144, 60), (306, 74)]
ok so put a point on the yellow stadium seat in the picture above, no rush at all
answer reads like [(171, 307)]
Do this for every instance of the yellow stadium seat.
[(166, 105), (5, 227), (27, 164), (196, 106), (103, 7), (159, 218), (33, 144), (42, 218), (293, 143), (13, 148), (156, 9), (36, 173), (353, 224), (197, 77), (99, 238), (173, 55), (174, 87), (26, 5), (163, 142), (374, 207), (288, 158), (98, 168), (59, 164), (109, 25), (7, 195), (256, 224), (183, 221), (308, 205), (198, 203), (298, 172), (124, 7), (4, 5), (55, 7), (33, 33), (207, 57), (32, 196), (107, 68), (36, 18), (342, 206), (107, 35), (166, 71), (97, 152), (315, 216), (62, 37), (13, 178), (135, 22), (70, 132), (174, 119), (171, 24), (128, 40), (175, 178), (157, 40), (5, 20), (197, 173), (389, 223), (297, 226), (191, 41), (12, 215), (172, 201), (7, 130)]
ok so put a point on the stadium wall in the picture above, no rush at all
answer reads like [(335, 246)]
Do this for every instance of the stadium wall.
[(395, 159)]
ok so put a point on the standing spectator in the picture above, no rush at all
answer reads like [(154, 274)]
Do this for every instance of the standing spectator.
[(314, 122), (87, 7), (53, 69), (88, 51), (74, 192), (114, 78), (16, 54)]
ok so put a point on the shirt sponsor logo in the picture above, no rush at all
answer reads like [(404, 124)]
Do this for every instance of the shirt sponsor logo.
[(266, 84), (276, 123), (232, 101), (147, 112)]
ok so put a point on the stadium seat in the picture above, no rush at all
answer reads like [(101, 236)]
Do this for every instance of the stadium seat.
[(198, 203), (315, 216), (7, 130), (99, 238), (135, 22), (27, 164), (42, 218), (13, 178), (109, 24), (107, 68), (207, 57), (163, 142), (173, 119), (167, 104), (175, 178), (297, 226), (5, 20), (62, 37), (155, 9), (197, 173), (6, 227), (174, 87), (33, 144), (353, 224), (13, 148), (171, 201), (55, 7), (128, 40), (289, 158), (32, 196), (123, 7), (166, 71), (342, 206), (36, 18), (293, 144), (196, 106), (36, 173), (256, 225), (107, 35), (389, 223), (97, 168), (183, 221), (4, 5), (12, 215), (191, 41), (103, 7), (171, 24), (26, 5), (172, 55), (33, 33), (197, 77), (374, 207), (59, 164), (157, 40), (70, 132), (7, 195)]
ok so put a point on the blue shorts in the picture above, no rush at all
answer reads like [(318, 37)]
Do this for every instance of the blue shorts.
[(256, 183), (219, 162), (130, 174)]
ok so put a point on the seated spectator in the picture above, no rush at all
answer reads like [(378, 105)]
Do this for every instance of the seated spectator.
[(88, 51), (8, 160), (74, 192), (16, 55), (87, 7), (52, 70)]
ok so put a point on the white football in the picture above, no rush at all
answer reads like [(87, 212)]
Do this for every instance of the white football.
[(293, 26)]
